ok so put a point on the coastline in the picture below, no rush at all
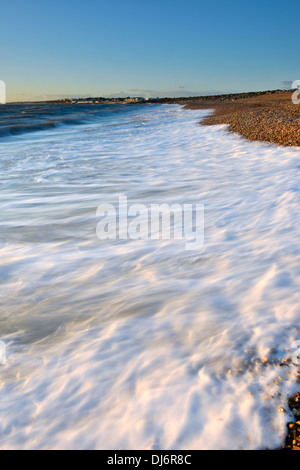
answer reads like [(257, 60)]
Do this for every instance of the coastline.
[(191, 130), (266, 116)]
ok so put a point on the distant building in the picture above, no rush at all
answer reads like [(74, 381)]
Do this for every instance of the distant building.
[(136, 99)]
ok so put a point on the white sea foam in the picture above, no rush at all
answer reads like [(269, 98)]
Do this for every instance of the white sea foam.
[(141, 344)]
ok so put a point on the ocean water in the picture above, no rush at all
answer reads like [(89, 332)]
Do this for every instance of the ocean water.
[(141, 344)]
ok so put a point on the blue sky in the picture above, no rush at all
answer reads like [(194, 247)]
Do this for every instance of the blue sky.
[(146, 48)]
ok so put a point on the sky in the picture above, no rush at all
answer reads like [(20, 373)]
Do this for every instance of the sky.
[(63, 48)]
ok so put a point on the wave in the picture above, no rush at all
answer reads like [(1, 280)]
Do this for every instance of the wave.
[(23, 119), (18, 129)]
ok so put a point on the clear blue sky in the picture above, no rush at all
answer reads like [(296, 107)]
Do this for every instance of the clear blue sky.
[(158, 47)]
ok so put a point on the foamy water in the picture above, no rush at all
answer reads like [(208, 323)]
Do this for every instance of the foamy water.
[(142, 344)]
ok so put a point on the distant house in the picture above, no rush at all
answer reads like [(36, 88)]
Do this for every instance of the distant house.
[(136, 99)]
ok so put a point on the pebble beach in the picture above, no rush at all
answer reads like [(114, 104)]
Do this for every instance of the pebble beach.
[(269, 116)]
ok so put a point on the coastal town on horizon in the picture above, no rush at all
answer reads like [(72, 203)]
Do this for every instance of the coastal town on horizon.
[(140, 99)]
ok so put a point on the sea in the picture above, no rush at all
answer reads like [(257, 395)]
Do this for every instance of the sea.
[(140, 343)]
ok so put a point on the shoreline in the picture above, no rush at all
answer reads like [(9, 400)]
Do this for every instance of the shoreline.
[(267, 118)]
